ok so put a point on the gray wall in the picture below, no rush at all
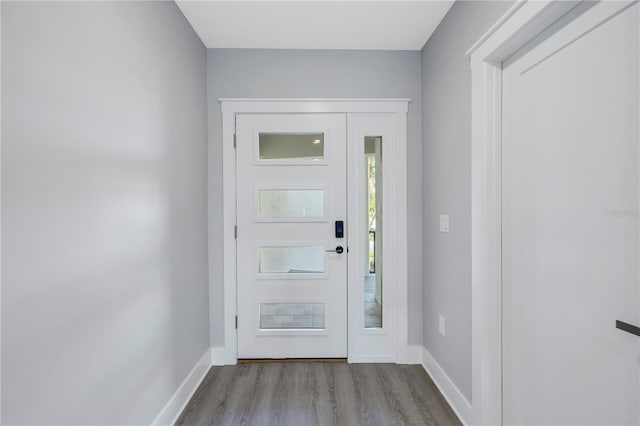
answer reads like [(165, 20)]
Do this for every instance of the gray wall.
[(315, 74), (104, 275), (446, 162)]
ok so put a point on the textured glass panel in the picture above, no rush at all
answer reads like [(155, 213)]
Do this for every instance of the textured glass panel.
[(291, 146), (373, 278), (291, 203), (287, 316), (291, 260)]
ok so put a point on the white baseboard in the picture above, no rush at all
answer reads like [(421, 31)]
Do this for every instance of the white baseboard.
[(181, 397), (451, 393)]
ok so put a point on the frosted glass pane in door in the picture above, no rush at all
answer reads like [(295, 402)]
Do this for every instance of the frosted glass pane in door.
[(287, 316), (291, 260), (291, 203)]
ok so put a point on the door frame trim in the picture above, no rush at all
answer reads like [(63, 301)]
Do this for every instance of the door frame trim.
[(520, 24), (228, 355)]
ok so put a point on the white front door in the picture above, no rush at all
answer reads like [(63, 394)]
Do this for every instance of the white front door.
[(571, 222), (292, 254)]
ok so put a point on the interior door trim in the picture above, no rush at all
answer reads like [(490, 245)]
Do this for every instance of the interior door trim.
[(398, 108), (519, 25)]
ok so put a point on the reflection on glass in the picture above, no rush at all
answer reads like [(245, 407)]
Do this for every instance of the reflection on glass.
[(291, 203), (288, 316), (291, 146), (373, 270), (291, 260)]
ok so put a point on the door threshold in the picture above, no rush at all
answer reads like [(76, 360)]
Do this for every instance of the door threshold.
[(293, 360)]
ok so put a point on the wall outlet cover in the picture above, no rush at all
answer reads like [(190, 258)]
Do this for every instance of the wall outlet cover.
[(444, 223)]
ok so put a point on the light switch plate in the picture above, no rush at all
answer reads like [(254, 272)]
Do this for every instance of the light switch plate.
[(444, 223), (441, 329)]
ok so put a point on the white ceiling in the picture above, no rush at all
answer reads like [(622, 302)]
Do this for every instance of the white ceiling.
[(309, 24)]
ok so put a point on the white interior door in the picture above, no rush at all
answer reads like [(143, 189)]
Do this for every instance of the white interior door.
[(292, 262), (570, 222)]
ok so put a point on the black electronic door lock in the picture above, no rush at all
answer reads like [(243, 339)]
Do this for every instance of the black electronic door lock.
[(339, 229)]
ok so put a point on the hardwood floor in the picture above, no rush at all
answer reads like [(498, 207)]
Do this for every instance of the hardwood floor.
[(317, 393)]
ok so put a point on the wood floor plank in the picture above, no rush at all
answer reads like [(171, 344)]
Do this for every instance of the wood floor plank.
[(348, 412), (370, 394), (316, 393), (326, 404), (395, 396), (429, 396)]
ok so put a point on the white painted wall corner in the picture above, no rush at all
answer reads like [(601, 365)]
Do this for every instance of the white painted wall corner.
[(181, 397), (449, 390)]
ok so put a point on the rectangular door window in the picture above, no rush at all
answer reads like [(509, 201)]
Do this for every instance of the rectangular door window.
[(291, 146), (373, 202), (291, 203), (291, 316), (291, 260)]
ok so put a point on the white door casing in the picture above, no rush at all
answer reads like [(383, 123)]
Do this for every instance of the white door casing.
[(292, 292), (523, 22), (570, 223), (395, 214)]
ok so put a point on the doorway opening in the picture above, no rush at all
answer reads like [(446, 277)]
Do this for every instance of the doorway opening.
[(290, 230)]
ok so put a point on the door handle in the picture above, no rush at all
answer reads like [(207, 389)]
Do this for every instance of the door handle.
[(629, 328), (338, 250)]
